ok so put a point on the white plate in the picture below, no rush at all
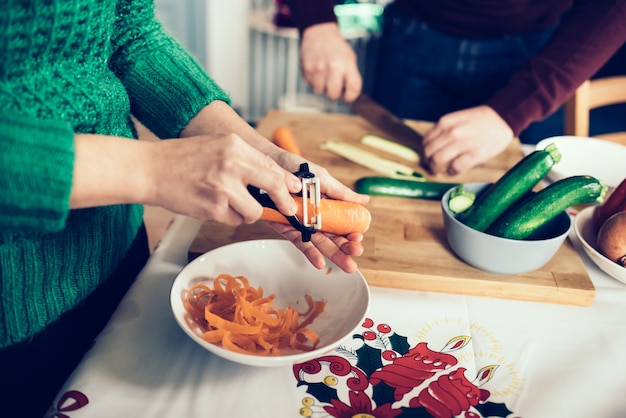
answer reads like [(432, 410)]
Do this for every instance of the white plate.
[(601, 159), (280, 268), (586, 233)]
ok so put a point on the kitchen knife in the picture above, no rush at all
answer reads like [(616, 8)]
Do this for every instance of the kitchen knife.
[(387, 122)]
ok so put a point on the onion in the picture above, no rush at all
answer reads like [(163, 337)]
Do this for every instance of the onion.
[(611, 238)]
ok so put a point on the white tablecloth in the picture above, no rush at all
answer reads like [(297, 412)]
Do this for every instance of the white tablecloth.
[(486, 356)]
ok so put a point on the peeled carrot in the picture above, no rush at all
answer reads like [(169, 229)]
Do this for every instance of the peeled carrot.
[(238, 316), (338, 217), (283, 137)]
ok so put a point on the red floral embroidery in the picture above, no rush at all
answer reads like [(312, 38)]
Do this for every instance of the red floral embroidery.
[(449, 395), (386, 377), (76, 400), (360, 403), (411, 370)]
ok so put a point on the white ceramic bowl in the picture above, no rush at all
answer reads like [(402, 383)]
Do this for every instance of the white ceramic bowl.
[(501, 255), (586, 233), (601, 159), (280, 268)]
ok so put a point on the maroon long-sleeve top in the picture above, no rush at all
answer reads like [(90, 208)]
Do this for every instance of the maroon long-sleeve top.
[(588, 35)]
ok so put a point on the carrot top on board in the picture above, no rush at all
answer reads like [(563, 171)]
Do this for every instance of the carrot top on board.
[(284, 138)]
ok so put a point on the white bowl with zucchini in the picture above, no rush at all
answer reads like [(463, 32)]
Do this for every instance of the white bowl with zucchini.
[(508, 227)]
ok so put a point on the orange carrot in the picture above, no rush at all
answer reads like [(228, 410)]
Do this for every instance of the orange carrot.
[(338, 217), (283, 137), (241, 319)]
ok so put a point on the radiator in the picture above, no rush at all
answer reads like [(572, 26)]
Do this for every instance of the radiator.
[(275, 79)]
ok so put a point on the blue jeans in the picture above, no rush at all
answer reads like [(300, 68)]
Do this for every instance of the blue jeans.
[(423, 73)]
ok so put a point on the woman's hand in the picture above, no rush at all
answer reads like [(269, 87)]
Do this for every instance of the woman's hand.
[(205, 175), (464, 139), (206, 178), (218, 117), (339, 249)]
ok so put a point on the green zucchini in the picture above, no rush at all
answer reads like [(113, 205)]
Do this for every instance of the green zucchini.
[(387, 186), (522, 220), (511, 187), (460, 199)]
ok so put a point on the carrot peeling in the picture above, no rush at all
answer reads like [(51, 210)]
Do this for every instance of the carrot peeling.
[(241, 319), (338, 216)]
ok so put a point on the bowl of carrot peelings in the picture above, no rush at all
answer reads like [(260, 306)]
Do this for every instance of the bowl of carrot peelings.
[(261, 303)]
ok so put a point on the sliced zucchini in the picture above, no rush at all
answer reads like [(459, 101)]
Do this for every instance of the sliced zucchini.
[(461, 199)]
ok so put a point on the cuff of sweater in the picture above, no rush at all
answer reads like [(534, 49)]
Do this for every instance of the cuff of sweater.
[(306, 13), (518, 114), (168, 91), (37, 163)]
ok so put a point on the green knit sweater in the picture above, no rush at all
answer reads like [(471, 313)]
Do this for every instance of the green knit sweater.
[(66, 67)]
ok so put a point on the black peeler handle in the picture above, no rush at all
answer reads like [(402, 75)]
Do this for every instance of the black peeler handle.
[(265, 201)]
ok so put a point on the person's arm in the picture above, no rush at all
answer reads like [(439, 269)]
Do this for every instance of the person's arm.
[(36, 164), (585, 41), (166, 85), (173, 97), (218, 117), (204, 176), (592, 32), (328, 62)]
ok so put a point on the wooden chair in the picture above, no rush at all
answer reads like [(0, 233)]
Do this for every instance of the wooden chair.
[(590, 95)]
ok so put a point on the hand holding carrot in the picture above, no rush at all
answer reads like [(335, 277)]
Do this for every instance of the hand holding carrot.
[(340, 202), (338, 248)]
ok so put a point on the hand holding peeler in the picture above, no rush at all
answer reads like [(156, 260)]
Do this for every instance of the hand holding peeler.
[(311, 219)]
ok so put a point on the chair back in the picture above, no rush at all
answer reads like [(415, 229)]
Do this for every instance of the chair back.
[(590, 95)]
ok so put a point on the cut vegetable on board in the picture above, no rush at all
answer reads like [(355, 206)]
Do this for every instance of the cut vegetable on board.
[(386, 186), (390, 147), (370, 160)]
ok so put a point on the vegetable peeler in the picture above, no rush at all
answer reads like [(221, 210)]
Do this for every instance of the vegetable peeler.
[(310, 193)]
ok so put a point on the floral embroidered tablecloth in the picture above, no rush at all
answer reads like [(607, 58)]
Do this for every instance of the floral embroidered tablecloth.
[(418, 354)]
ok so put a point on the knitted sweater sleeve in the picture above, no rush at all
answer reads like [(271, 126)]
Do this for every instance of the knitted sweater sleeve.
[(166, 85), (590, 35), (36, 199)]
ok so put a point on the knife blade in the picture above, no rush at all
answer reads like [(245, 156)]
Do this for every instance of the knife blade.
[(389, 123)]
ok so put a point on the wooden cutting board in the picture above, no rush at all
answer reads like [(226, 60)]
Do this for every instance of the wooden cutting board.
[(406, 246)]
